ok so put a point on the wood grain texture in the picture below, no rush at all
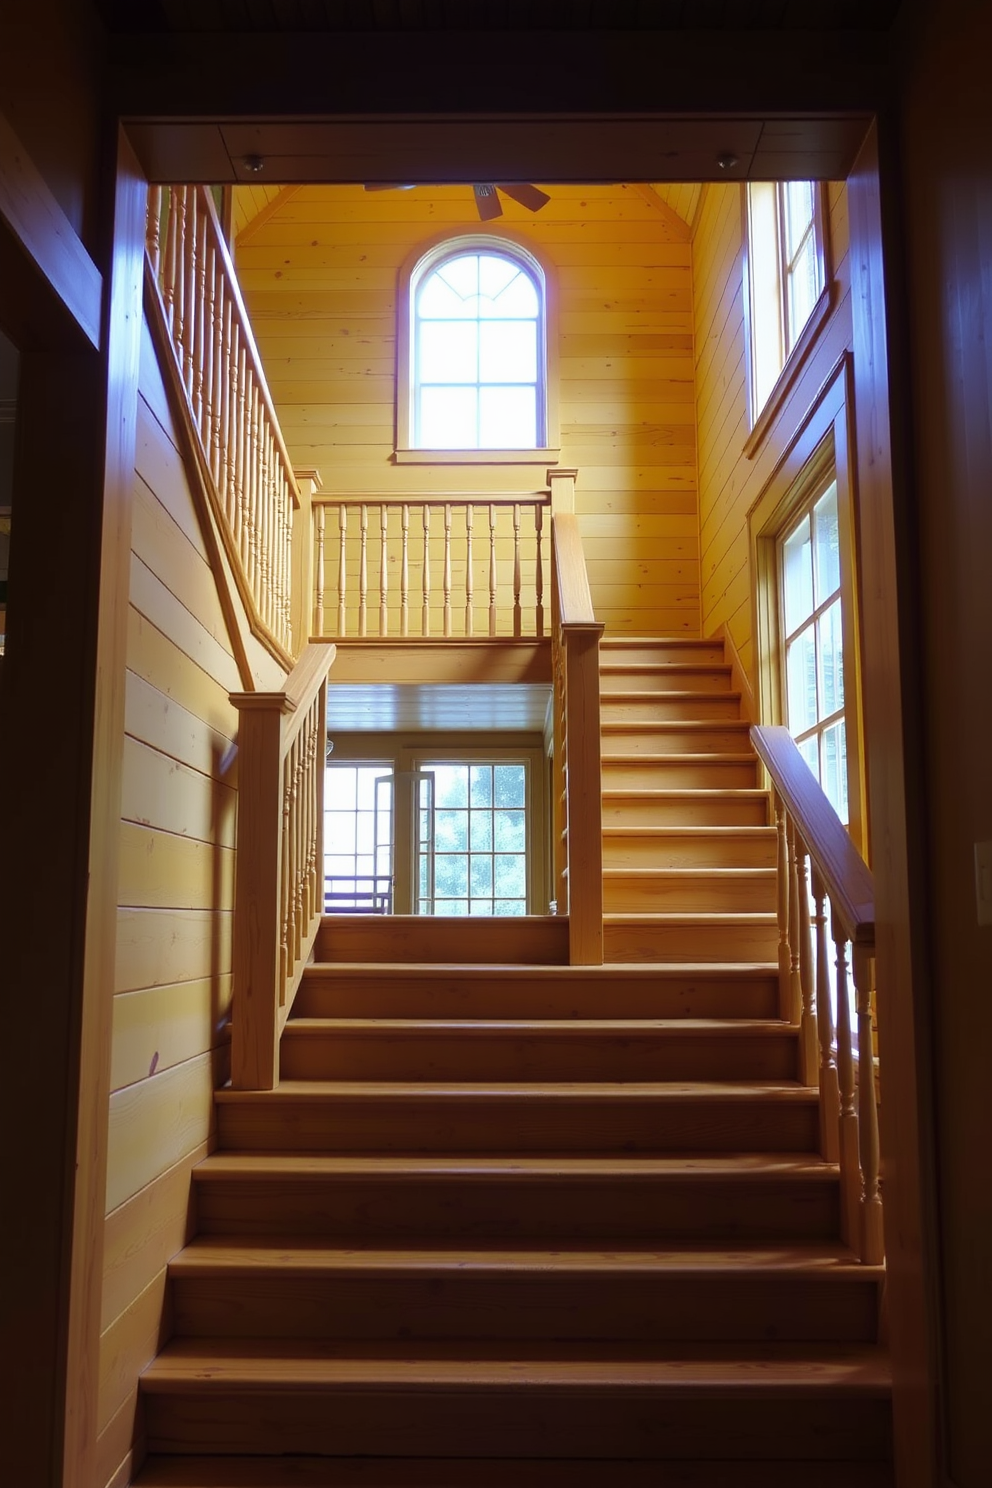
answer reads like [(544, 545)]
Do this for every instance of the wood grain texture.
[(320, 276)]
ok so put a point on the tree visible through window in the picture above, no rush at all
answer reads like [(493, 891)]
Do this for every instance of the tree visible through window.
[(478, 354)]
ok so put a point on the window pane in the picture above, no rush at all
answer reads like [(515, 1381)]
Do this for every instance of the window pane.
[(833, 754), (510, 785), (451, 831), (511, 876), (797, 576), (481, 785), (798, 212), (830, 646), (448, 418), (481, 906), (482, 831), (506, 290), (451, 906), (481, 874), (340, 787), (510, 831), (449, 351), (507, 418), (508, 351), (450, 784), (800, 662), (810, 751), (509, 907), (826, 545), (803, 290), (439, 299), (450, 874)]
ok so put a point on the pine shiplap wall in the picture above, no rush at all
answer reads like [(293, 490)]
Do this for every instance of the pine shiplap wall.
[(173, 975), (729, 482), (320, 280)]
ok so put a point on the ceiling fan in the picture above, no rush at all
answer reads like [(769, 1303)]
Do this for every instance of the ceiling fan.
[(487, 196)]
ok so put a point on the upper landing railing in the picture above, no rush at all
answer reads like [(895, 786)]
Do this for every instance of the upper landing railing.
[(246, 469), (815, 852)]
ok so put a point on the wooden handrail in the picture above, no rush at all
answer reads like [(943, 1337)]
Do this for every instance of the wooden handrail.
[(808, 827), (846, 876), (279, 876), (199, 315), (578, 807)]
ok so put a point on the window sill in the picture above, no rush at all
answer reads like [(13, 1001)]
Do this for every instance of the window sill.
[(790, 372), (548, 456)]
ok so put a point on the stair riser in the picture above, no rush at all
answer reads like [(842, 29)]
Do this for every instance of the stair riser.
[(669, 772), (674, 849), (584, 1422), (645, 678), (688, 942), (487, 994), (455, 1306), (685, 811), (483, 1124), (708, 738), (661, 707), (542, 941), (671, 895), (328, 1054)]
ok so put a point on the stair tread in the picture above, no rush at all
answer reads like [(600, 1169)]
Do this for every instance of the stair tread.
[(454, 1472), (644, 830), (433, 971), (659, 725), (788, 1369), (734, 874), (725, 1167), (560, 1028), (709, 757), (697, 917), (685, 793), (211, 1255), (648, 694), (682, 1091)]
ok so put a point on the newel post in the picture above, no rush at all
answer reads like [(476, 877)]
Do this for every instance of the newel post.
[(257, 918), (562, 484), (583, 796), (301, 598)]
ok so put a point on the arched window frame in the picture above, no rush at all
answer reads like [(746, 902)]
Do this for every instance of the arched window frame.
[(414, 271)]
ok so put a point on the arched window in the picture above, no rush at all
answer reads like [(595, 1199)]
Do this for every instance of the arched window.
[(477, 357)]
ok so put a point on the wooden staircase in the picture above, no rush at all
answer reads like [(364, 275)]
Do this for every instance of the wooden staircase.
[(505, 1221)]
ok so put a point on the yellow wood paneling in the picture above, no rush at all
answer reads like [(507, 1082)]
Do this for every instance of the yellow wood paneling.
[(729, 482), (128, 1345), (159, 946), (156, 1123), (159, 870), (320, 278), (156, 1028)]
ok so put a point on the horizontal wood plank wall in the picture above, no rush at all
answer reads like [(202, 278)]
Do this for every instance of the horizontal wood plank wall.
[(173, 974), (320, 281), (728, 481)]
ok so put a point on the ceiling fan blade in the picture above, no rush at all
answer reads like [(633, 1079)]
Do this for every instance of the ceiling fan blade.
[(387, 186), (487, 203), (528, 196)]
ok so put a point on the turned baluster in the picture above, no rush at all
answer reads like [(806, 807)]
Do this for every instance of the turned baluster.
[(539, 574), (383, 568), (425, 616), (795, 975), (782, 879), (850, 1167), (446, 570), (363, 570), (241, 454), (492, 569), (252, 494), (153, 228), (808, 1063), (318, 547), (829, 1086), (189, 291), (285, 869), (218, 374), (200, 323), (516, 570), (264, 597), (872, 1247), (177, 247), (469, 580), (405, 571), (342, 567)]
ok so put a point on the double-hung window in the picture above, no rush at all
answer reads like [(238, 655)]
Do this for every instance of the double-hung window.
[(786, 273)]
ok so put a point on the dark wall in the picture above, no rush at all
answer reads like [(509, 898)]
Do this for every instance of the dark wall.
[(947, 185)]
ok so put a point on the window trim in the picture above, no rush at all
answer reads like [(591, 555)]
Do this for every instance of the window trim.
[(413, 271), (824, 442), (760, 419)]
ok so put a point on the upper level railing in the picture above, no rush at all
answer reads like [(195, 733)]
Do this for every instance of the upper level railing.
[(452, 567), (815, 853), (248, 474)]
